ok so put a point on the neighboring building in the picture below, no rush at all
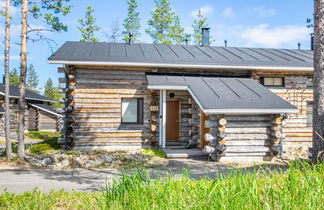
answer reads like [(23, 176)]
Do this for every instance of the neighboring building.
[(132, 95), (40, 116)]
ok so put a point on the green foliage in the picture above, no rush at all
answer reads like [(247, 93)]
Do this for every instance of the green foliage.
[(309, 23), (300, 187), (132, 22), (159, 152), (164, 26), (199, 23), (49, 141), (14, 77), (53, 93), (39, 149), (47, 11), (88, 26), (32, 79)]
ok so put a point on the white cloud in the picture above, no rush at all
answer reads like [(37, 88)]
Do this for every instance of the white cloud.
[(228, 12), (265, 12), (205, 10), (266, 36)]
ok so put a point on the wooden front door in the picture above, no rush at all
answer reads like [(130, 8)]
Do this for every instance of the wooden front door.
[(172, 120)]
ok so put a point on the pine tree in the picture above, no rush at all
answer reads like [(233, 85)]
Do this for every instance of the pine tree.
[(199, 23), (48, 12), (132, 22), (32, 79), (177, 32), (162, 24), (88, 27), (53, 93), (14, 77)]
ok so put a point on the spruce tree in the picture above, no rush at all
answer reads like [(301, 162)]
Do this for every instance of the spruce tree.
[(88, 27), (199, 23), (32, 79), (132, 22), (163, 23), (53, 93), (14, 77)]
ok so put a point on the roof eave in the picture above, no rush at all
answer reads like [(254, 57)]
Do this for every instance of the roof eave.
[(166, 65), (28, 98)]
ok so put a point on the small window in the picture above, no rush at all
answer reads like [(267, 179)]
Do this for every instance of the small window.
[(309, 114), (272, 81), (132, 110)]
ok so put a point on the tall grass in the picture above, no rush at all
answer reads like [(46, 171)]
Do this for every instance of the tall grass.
[(300, 187)]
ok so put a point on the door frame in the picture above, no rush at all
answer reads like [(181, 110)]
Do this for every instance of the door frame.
[(179, 101)]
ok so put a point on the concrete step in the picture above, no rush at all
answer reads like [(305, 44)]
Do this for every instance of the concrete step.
[(184, 153)]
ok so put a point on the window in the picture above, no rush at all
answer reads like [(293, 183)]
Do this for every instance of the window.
[(132, 110), (309, 114), (272, 81)]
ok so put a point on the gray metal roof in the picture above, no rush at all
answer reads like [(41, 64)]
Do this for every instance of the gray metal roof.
[(119, 53), (216, 95), (45, 108), (30, 95)]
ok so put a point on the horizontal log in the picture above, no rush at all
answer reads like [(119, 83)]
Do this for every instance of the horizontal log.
[(60, 70), (208, 137), (247, 118), (248, 143), (277, 134), (246, 149), (245, 124), (256, 130), (247, 136), (306, 134)]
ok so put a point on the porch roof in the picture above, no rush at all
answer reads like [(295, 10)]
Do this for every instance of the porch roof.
[(216, 95), (45, 108)]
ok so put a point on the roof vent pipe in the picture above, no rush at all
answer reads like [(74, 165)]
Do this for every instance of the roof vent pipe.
[(298, 45), (312, 41), (225, 41), (130, 38), (205, 36)]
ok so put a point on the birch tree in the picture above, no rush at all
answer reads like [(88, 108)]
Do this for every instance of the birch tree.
[(6, 67), (318, 119)]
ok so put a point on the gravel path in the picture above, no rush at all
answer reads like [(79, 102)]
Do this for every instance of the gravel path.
[(19, 181)]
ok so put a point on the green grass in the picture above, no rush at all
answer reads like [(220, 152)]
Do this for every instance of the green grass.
[(300, 187), (159, 152), (49, 141)]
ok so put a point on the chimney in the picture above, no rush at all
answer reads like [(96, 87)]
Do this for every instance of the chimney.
[(298, 45), (130, 38), (205, 36), (225, 41), (312, 41)]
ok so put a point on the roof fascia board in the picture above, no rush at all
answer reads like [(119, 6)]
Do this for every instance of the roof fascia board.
[(167, 87), (133, 64), (45, 110), (34, 99)]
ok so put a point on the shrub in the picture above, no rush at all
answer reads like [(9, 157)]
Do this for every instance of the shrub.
[(159, 152), (39, 149)]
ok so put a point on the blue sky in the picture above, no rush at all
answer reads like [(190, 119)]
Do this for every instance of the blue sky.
[(248, 23)]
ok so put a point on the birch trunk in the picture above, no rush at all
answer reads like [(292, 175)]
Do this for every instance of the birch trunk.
[(22, 82), (318, 119), (6, 67)]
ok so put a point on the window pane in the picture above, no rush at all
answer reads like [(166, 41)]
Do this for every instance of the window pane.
[(268, 81), (278, 81), (129, 110)]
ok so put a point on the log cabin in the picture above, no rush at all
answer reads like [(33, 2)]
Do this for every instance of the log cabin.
[(233, 103), (40, 116)]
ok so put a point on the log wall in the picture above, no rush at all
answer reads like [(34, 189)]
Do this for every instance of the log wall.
[(298, 91), (97, 107)]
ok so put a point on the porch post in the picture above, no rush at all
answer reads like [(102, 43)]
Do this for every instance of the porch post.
[(160, 118), (164, 118)]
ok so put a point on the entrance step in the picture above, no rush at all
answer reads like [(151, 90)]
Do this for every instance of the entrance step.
[(176, 143), (184, 153)]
